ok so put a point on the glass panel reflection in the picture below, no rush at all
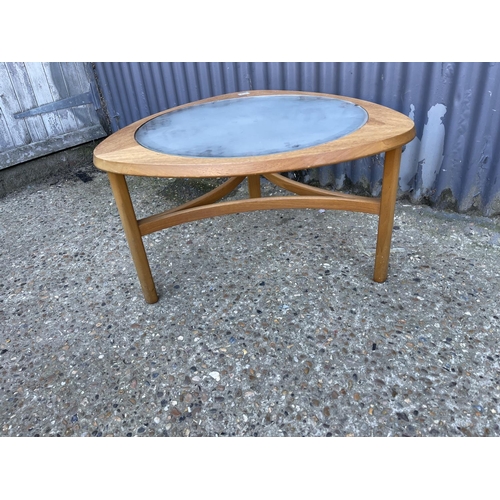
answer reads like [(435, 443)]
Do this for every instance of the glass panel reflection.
[(251, 126)]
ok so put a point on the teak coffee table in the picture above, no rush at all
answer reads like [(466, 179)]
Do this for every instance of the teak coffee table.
[(249, 135)]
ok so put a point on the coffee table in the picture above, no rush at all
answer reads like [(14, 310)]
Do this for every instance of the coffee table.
[(247, 135)]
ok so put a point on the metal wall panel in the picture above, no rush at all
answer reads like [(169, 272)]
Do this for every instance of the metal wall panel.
[(454, 162)]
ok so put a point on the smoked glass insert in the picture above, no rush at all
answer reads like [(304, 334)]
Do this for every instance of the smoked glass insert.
[(251, 126)]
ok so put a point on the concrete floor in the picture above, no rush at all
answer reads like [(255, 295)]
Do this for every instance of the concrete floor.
[(268, 323)]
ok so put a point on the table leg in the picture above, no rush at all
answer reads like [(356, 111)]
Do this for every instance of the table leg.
[(254, 186), (134, 238), (390, 183)]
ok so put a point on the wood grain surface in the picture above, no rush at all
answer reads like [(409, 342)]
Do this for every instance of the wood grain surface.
[(385, 129)]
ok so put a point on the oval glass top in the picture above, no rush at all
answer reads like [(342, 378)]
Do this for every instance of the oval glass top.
[(251, 126)]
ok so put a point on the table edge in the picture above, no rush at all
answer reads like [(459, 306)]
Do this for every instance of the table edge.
[(384, 130)]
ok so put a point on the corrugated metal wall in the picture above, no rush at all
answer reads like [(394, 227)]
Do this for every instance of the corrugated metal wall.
[(454, 162)]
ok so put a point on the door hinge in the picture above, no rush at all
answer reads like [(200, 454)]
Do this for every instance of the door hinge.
[(90, 97)]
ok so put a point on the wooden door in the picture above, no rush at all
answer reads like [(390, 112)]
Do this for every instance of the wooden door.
[(46, 107)]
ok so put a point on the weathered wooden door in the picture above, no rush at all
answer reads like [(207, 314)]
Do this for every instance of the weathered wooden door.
[(46, 107)]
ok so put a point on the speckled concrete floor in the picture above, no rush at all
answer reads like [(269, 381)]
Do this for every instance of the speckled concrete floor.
[(268, 323)]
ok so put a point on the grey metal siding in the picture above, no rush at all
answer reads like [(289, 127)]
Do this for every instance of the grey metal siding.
[(454, 162)]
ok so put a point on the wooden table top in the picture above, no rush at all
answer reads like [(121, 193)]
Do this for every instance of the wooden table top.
[(254, 132)]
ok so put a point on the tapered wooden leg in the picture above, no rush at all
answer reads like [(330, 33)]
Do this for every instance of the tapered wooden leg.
[(134, 238), (390, 182), (254, 186)]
